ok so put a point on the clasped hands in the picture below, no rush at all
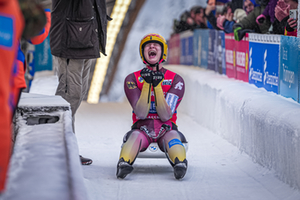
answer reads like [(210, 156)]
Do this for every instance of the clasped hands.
[(152, 77)]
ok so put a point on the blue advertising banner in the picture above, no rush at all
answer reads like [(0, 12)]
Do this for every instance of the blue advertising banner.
[(186, 44), (42, 56), (264, 61), (200, 47), (197, 47), (289, 71), (220, 52), (204, 47), (211, 59)]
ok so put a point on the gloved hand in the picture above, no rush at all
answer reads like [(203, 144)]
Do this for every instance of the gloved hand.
[(260, 19), (236, 33), (281, 10), (147, 75), (239, 33), (158, 77)]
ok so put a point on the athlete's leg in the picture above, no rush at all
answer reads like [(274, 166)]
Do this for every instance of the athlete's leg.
[(174, 147), (135, 143), (172, 144)]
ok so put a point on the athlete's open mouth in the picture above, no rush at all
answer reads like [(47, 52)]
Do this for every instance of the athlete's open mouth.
[(152, 54)]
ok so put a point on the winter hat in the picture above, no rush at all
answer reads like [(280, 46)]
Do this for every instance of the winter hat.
[(239, 14), (222, 1), (254, 3)]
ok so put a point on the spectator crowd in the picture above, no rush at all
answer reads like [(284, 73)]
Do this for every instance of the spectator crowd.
[(241, 17)]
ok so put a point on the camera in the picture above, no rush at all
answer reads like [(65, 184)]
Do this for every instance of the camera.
[(293, 14)]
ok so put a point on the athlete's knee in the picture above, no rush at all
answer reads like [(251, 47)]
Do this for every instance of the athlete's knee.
[(172, 135), (174, 142), (135, 136), (131, 135)]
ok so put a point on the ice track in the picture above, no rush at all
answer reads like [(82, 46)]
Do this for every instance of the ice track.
[(217, 170)]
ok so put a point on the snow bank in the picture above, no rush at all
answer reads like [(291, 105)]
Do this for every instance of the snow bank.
[(45, 162), (262, 124)]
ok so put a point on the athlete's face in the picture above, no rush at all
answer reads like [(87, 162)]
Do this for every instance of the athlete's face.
[(152, 52)]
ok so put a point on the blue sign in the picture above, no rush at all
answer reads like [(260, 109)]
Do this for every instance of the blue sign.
[(42, 56), (200, 47), (271, 68), (289, 67), (220, 52), (186, 44), (264, 62), (204, 47), (6, 32), (197, 47), (211, 59)]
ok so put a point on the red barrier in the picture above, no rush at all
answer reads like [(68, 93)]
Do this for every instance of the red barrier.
[(242, 57), (174, 49), (230, 55)]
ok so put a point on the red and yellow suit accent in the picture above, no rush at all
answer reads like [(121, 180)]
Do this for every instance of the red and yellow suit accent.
[(155, 110), (169, 75), (293, 33)]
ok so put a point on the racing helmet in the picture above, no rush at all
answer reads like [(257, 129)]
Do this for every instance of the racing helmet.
[(154, 37)]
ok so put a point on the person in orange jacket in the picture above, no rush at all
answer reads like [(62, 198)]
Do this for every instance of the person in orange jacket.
[(12, 24), (19, 78)]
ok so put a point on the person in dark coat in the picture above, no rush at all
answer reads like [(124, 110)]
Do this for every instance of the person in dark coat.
[(77, 36)]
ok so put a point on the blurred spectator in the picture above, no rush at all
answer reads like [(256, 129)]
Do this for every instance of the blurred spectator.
[(248, 24), (239, 14), (199, 18), (189, 20), (12, 24), (287, 26), (193, 10), (224, 22), (34, 16), (213, 11), (249, 6), (282, 10), (268, 12), (185, 23)]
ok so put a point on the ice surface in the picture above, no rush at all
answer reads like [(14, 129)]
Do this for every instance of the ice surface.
[(216, 168)]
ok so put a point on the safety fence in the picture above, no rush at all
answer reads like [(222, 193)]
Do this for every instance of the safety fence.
[(267, 61)]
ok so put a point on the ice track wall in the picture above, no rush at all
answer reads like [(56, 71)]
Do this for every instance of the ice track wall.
[(45, 163), (262, 124)]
